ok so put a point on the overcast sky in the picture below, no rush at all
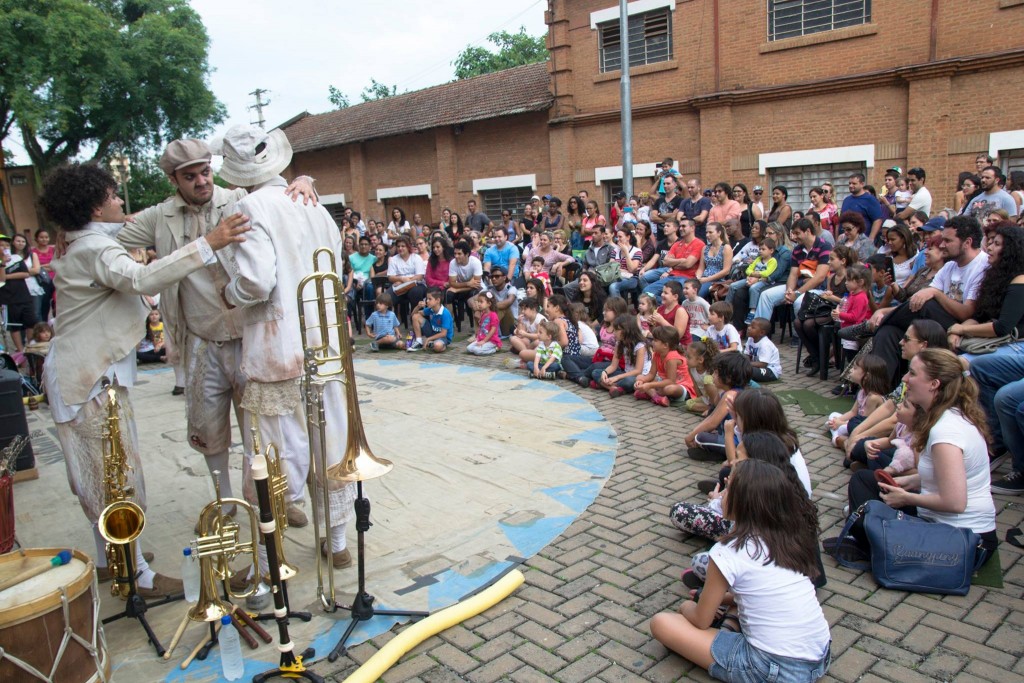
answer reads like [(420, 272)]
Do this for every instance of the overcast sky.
[(297, 48)]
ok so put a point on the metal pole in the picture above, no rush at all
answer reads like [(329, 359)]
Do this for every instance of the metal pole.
[(626, 102)]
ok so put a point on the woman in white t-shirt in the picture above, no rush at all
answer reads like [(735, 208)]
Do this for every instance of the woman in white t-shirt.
[(764, 567), (398, 225), (952, 484)]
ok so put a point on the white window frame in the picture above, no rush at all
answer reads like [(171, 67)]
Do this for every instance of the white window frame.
[(338, 198), (816, 157), (1003, 141), (404, 191), (644, 170), (865, 11), (505, 182), (636, 7)]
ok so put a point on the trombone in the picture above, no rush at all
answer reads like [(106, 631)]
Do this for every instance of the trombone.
[(328, 358)]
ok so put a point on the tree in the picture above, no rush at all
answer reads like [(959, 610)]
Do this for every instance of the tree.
[(103, 76), (377, 91), (514, 49), (337, 98)]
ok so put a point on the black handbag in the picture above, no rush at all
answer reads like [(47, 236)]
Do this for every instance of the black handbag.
[(815, 306)]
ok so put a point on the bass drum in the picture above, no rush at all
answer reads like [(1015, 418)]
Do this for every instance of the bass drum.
[(49, 624)]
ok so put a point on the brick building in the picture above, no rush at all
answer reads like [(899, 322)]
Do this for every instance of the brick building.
[(791, 92)]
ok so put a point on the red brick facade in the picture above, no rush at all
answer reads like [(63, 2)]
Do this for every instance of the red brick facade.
[(922, 84)]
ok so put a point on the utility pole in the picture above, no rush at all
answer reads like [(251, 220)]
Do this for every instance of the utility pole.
[(626, 102), (258, 94)]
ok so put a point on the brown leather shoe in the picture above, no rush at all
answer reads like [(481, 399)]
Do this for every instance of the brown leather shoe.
[(340, 559), (296, 517), (103, 573), (163, 586)]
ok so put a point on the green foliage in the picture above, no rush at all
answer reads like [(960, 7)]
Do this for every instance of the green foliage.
[(148, 185), (102, 75), (514, 49), (337, 98), (377, 91)]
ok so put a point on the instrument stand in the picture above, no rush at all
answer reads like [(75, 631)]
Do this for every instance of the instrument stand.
[(135, 606), (204, 651), (362, 608)]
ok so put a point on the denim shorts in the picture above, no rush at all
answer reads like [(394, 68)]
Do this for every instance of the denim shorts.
[(737, 660)]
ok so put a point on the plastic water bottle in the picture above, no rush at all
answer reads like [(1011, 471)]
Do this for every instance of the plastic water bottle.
[(230, 650), (190, 575)]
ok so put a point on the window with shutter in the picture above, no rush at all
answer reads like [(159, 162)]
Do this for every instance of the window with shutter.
[(650, 40), (511, 199), (798, 181), (791, 18)]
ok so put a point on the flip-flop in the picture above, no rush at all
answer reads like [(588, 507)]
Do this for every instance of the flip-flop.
[(727, 622), (691, 580)]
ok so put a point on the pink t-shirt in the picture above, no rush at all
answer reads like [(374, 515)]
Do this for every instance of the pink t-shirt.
[(720, 213), (489, 322)]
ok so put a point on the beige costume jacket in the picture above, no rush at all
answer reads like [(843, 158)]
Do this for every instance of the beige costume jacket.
[(265, 272)]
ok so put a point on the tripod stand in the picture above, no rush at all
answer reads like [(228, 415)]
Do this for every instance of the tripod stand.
[(362, 608), (135, 606)]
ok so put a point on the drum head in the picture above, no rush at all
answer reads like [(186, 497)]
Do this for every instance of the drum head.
[(41, 593)]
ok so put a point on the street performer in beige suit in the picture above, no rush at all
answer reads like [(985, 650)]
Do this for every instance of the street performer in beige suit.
[(265, 274), (203, 329), (100, 318)]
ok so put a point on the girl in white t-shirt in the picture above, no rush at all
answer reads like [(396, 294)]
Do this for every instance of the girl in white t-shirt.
[(763, 567)]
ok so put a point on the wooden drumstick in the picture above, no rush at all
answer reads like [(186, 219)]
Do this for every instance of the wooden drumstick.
[(202, 643), (254, 625), (177, 636), (61, 558), (246, 636)]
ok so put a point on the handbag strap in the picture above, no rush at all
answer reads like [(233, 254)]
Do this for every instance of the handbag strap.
[(850, 521)]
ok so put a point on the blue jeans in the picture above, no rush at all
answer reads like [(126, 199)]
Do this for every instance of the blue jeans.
[(627, 383), (1010, 411), (622, 286), (738, 661), (655, 288), (772, 297), (995, 372), (755, 294), (652, 276)]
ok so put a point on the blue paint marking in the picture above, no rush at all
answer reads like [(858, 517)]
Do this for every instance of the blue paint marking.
[(383, 362), (434, 366), (565, 397), (598, 464), (530, 539), (155, 370), (453, 586), (587, 415), (576, 496), (538, 385), (505, 377), (599, 435), (468, 369)]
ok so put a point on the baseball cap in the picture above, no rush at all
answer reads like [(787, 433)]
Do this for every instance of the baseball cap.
[(534, 197), (933, 224), (182, 153), (499, 269), (758, 188), (888, 223), (547, 197), (895, 169)]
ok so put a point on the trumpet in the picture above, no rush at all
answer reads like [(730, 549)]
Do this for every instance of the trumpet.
[(217, 546), (122, 520), (278, 483), (328, 359)]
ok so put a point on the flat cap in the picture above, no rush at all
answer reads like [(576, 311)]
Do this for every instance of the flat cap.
[(182, 153)]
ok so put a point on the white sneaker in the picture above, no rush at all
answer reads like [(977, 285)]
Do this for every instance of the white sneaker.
[(415, 346)]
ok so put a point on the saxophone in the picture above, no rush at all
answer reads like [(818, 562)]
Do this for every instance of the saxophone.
[(122, 520)]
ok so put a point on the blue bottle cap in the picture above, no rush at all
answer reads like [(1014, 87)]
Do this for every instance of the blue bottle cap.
[(225, 620)]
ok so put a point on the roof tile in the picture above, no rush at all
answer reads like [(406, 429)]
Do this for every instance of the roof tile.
[(503, 93)]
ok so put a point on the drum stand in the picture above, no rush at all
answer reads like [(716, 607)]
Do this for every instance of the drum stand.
[(362, 608), (135, 606)]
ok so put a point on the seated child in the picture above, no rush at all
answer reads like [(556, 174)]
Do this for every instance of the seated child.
[(889, 452), (382, 325), (645, 310), (432, 323), (537, 272), (872, 375), (669, 377), (488, 331), (854, 310), (547, 361), (630, 359), (696, 307), (671, 313), (42, 334), (758, 274), (762, 352), (700, 356), (151, 349), (587, 336), (706, 441), (526, 335), (722, 332)]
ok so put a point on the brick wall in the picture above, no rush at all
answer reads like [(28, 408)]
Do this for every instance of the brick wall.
[(768, 100)]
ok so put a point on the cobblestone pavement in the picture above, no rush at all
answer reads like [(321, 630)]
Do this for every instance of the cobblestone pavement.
[(582, 614)]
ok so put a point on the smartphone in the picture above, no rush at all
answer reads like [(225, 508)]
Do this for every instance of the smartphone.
[(891, 267), (883, 477)]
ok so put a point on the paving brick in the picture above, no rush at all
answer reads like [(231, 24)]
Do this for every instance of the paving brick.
[(442, 674), (849, 666), (626, 657), (495, 670), (922, 639), (581, 623), (942, 665), (580, 645), (454, 658), (408, 668), (583, 669), (538, 658)]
